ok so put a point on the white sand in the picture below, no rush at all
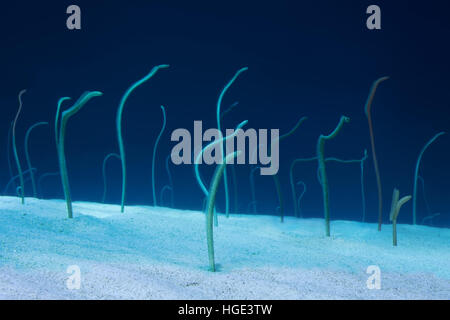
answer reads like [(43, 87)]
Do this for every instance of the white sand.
[(160, 253)]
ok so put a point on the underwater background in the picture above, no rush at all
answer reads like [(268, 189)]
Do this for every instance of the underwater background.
[(314, 59)]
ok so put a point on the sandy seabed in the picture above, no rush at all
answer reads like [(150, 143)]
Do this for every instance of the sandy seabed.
[(161, 253)]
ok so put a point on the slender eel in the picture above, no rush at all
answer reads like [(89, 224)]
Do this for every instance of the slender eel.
[(218, 114), (210, 208), (154, 155), (27, 155), (108, 156), (367, 109), (416, 173), (119, 128), (323, 175), (16, 155)]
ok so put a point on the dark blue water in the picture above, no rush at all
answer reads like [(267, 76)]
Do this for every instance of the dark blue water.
[(314, 59)]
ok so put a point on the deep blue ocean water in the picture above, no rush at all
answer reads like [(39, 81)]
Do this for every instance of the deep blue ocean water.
[(314, 59)]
